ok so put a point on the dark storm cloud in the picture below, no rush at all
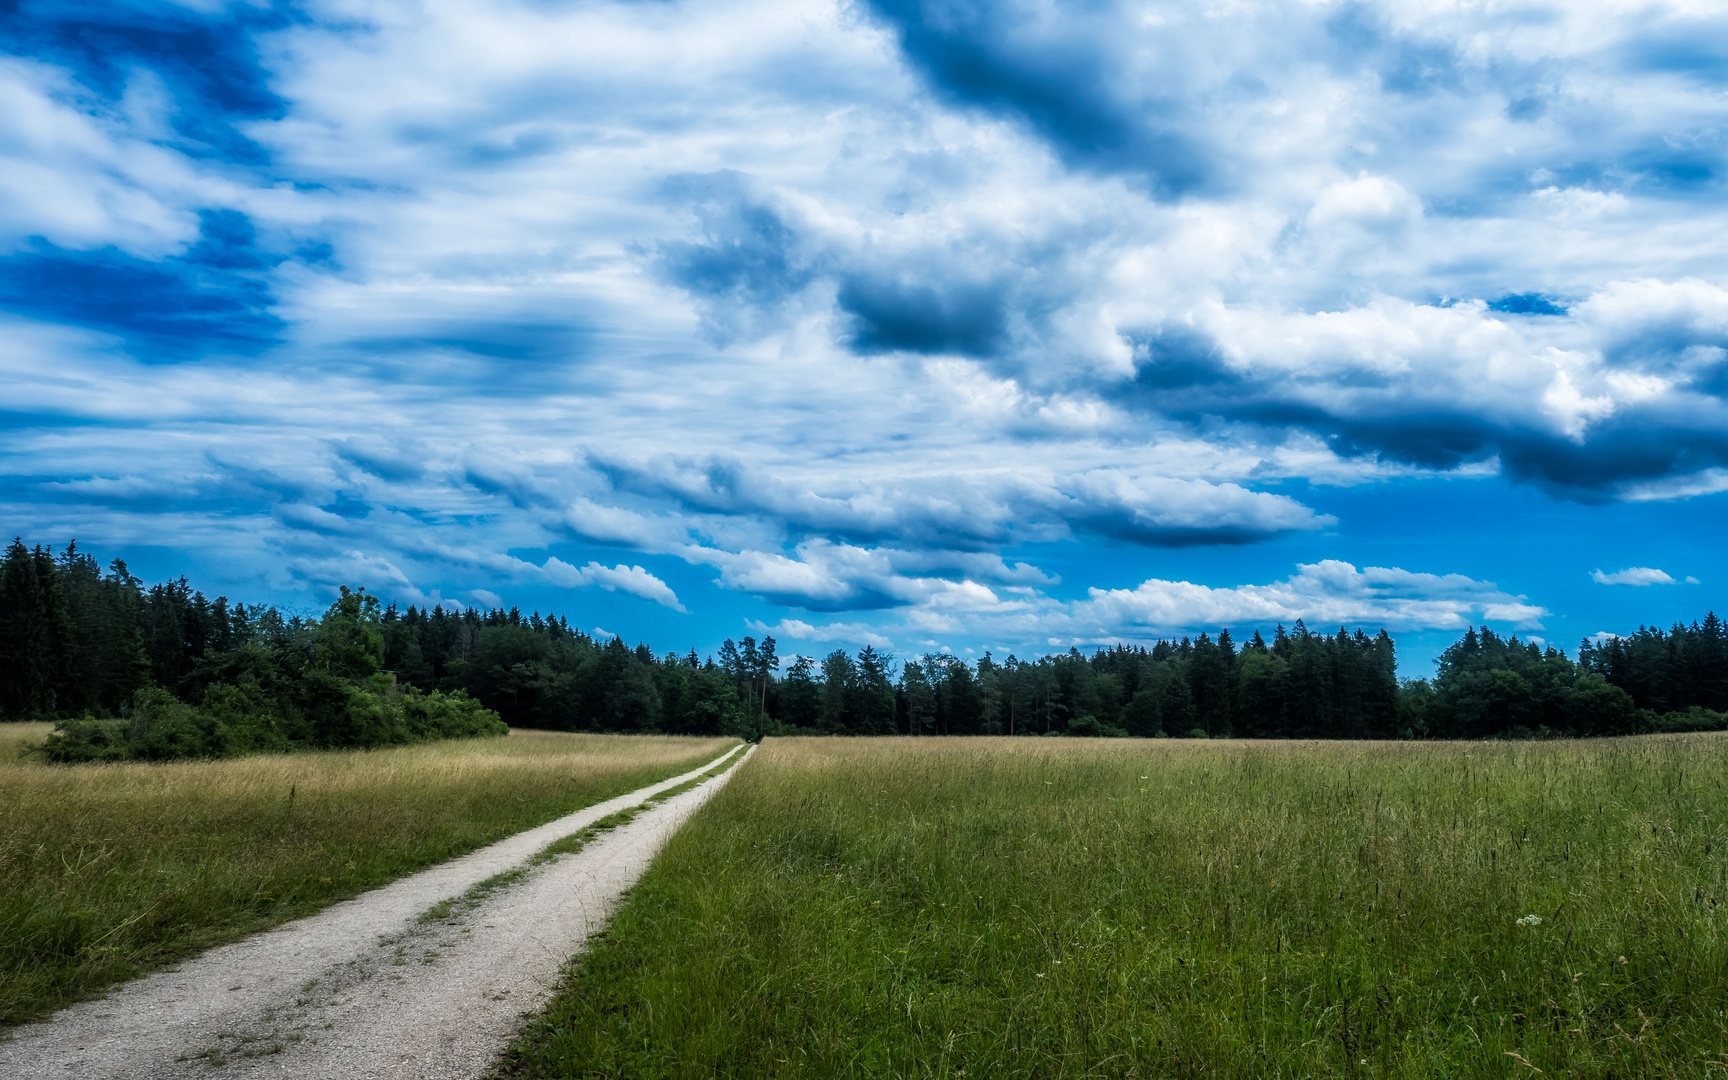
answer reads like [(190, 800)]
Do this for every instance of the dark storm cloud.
[(396, 462), (895, 316), (208, 60), (1058, 74), (748, 260), (1176, 358)]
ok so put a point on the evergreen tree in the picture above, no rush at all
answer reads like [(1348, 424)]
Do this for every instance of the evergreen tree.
[(839, 690)]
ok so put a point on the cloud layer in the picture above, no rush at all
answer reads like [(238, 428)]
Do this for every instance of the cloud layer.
[(842, 305), (1324, 595)]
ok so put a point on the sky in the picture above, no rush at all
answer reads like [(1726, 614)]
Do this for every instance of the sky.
[(921, 324)]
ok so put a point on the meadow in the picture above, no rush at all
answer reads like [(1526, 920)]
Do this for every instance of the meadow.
[(111, 870), (1079, 908)]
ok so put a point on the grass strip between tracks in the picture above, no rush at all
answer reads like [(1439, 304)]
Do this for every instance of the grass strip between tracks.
[(477, 894)]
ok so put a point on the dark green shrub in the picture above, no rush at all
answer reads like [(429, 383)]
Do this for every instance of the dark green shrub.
[(1696, 718), (322, 711), (88, 739), (1091, 727), (447, 716)]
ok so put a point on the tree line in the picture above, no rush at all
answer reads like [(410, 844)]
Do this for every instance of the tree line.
[(94, 648), (159, 673)]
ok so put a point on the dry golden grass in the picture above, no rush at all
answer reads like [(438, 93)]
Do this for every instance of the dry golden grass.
[(14, 738), (114, 869)]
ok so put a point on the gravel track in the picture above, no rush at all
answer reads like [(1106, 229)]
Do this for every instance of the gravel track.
[(367, 988)]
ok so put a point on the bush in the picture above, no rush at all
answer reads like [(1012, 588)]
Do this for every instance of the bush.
[(1597, 707), (448, 716), (1696, 718), (1090, 726), (89, 739), (333, 713)]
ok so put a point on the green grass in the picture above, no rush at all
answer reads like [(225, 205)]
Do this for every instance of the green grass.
[(1044, 908), (112, 870)]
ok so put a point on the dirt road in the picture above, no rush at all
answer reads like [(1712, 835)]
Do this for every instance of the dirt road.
[(369, 987)]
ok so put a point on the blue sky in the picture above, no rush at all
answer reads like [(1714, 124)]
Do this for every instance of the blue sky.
[(919, 324)]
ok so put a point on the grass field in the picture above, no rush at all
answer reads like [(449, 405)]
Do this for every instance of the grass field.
[(110, 870), (1044, 908)]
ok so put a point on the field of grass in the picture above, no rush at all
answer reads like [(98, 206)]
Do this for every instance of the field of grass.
[(1044, 908), (15, 737), (111, 870)]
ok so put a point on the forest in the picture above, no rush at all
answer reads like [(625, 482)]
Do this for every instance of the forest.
[(162, 671)]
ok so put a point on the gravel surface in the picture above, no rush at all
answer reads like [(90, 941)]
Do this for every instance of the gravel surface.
[(367, 988)]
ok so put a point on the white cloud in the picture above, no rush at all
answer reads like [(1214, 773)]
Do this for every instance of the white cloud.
[(620, 578), (846, 633), (824, 576), (1156, 507), (618, 525), (949, 508), (1633, 575), (85, 178), (1327, 593), (359, 569), (1683, 486), (1324, 595)]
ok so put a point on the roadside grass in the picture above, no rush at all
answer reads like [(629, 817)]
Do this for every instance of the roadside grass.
[(112, 870), (1035, 908)]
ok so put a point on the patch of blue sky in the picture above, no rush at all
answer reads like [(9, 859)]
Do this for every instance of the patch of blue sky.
[(32, 420), (1692, 46), (1531, 303), (1523, 541), (167, 310)]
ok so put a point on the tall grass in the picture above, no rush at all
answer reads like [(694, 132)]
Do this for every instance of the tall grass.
[(110, 870), (16, 738), (1038, 908)]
